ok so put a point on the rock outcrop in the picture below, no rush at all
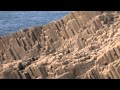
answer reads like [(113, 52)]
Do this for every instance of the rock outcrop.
[(81, 45)]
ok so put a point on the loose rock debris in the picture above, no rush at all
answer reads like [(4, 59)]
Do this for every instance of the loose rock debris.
[(81, 45)]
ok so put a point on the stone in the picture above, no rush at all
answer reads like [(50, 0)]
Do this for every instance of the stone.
[(69, 32), (78, 43), (62, 69), (50, 60), (59, 70), (54, 25), (5, 40), (107, 18), (110, 75), (61, 39), (21, 42), (63, 33), (82, 43), (116, 49), (25, 30), (85, 34), (95, 73), (72, 16), (37, 72), (26, 75), (34, 52), (89, 64), (13, 75), (78, 22), (77, 69), (24, 64), (9, 54), (20, 34), (56, 45), (98, 23), (118, 68), (36, 33), (33, 71), (4, 57), (28, 69), (51, 75), (46, 32), (16, 56), (114, 72), (99, 32), (93, 25), (93, 14), (83, 68), (39, 78), (76, 14), (100, 60), (6, 74), (14, 53), (104, 75), (39, 29), (58, 25), (71, 26), (109, 56), (26, 42), (105, 58), (57, 33), (72, 44), (43, 71), (91, 30), (17, 74), (20, 66), (92, 75), (69, 17), (42, 41), (75, 25), (14, 43), (66, 75), (53, 35), (1, 45), (69, 68), (65, 19), (113, 54), (33, 37), (10, 76)]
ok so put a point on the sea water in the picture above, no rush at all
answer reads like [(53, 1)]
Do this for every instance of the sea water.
[(12, 21)]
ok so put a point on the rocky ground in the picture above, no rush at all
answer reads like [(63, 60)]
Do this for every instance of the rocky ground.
[(92, 54)]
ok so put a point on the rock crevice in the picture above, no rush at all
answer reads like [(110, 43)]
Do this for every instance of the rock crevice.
[(81, 45)]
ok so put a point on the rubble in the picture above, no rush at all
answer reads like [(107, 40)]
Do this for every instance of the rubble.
[(81, 45)]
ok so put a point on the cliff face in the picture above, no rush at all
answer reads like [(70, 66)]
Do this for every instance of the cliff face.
[(31, 42), (83, 44)]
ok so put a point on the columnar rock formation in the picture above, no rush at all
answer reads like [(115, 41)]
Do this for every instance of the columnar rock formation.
[(82, 45), (34, 40)]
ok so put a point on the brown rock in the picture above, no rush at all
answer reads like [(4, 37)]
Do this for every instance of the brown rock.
[(66, 75), (43, 71), (113, 54)]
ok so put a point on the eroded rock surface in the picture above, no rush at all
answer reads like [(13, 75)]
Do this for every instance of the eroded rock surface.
[(81, 45)]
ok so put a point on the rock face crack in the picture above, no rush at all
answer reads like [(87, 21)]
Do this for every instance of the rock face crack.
[(81, 45)]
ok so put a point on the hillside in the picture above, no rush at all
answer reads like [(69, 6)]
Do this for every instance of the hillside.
[(81, 45)]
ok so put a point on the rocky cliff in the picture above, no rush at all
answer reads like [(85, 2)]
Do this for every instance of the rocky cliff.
[(81, 45)]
